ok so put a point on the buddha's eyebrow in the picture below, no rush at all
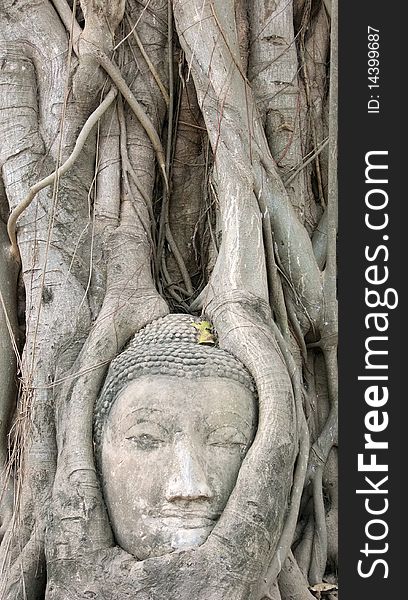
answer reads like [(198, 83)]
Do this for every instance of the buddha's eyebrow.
[(238, 419), (144, 418), (146, 410), (141, 413), (162, 427), (144, 414)]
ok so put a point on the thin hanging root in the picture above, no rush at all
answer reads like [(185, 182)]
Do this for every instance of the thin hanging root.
[(149, 63), (277, 299), (164, 226), (328, 329), (179, 260), (319, 544), (116, 76), (310, 104), (33, 191), (126, 164), (308, 161), (71, 25), (328, 437), (286, 538)]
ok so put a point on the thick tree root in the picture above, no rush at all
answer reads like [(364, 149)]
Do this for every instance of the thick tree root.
[(53, 177)]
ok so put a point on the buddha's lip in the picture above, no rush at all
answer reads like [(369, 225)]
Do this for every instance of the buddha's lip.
[(188, 521), (203, 519), (187, 512)]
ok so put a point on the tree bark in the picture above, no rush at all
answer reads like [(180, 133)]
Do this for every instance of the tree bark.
[(191, 149)]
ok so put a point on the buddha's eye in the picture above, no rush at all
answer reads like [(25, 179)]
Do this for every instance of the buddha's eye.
[(227, 437), (145, 441), (146, 435)]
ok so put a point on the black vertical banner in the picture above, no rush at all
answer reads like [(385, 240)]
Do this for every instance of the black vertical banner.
[(373, 256)]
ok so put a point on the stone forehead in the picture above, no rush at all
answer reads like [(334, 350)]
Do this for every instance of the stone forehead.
[(168, 346)]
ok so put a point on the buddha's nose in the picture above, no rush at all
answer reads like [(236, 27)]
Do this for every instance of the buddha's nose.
[(187, 480)]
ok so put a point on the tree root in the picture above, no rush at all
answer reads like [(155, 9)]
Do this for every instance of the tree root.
[(149, 63), (33, 191), (286, 538), (245, 325), (69, 21), (292, 583), (311, 158), (114, 73), (116, 77)]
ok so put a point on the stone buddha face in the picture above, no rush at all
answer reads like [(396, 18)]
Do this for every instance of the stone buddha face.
[(170, 453)]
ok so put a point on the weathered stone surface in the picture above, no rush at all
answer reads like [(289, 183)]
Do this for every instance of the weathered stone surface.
[(171, 452)]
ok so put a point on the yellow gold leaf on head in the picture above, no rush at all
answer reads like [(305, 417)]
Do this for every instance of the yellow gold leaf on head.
[(205, 333)]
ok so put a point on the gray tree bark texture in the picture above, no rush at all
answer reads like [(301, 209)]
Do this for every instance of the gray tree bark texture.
[(165, 156)]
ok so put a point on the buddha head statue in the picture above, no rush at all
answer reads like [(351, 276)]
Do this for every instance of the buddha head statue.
[(172, 424)]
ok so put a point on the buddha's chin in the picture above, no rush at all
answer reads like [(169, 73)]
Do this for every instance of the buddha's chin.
[(166, 540), (190, 538)]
